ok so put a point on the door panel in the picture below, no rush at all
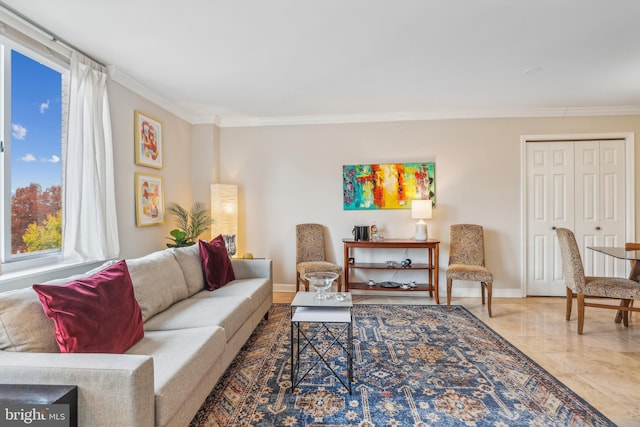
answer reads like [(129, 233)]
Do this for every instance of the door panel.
[(549, 187), (612, 210), (600, 189)]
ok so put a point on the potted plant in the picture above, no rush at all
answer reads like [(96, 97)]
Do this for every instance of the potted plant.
[(191, 224)]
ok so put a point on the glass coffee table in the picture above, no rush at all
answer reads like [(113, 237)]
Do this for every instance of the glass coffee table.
[(318, 327)]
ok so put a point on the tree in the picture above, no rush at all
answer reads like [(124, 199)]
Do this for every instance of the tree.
[(45, 236), (31, 205)]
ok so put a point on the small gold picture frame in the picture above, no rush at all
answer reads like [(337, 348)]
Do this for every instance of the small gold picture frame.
[(148, 140), (149, 199)]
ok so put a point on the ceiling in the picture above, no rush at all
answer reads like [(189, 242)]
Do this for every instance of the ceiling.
[(249, 62)]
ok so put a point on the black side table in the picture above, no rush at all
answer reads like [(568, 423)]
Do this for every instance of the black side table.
[(40, 394)]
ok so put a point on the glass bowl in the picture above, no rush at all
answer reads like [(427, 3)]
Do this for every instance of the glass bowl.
[(320, 281)]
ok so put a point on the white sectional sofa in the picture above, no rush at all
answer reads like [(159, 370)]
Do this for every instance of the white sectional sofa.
[(191, 335)]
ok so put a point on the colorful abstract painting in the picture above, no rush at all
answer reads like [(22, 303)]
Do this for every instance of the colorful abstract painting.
[(387, 186)]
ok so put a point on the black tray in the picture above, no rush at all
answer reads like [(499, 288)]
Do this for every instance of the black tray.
[(390, 284)]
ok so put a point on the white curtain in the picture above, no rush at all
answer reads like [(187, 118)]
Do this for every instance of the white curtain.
[(90, 223)]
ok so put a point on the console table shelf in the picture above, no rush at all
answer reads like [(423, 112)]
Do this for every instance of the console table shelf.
[(363, 286), (432, 246), (383, 266)]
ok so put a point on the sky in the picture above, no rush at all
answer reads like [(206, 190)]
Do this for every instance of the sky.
[(36, 117)]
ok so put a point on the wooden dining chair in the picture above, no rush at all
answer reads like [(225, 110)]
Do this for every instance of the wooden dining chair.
[(582, 287)]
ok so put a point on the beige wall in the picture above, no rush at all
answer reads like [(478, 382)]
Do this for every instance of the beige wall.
[(138, 241), (292, 174)]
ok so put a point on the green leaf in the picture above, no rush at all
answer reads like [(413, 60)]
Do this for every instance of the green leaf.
[(178, 234)]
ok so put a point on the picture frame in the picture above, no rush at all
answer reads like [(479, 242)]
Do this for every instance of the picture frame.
[(148, 140), (387, 185), (149, 190)]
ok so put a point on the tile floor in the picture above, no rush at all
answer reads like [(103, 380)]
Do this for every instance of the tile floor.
[(602, 365)]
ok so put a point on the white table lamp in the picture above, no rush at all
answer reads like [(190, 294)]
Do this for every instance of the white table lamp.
[(421, 210)]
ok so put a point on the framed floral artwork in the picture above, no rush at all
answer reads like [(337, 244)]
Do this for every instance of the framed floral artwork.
[(148, 140), (149, 199)]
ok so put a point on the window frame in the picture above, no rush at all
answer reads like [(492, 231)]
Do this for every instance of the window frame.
[(18, 262)]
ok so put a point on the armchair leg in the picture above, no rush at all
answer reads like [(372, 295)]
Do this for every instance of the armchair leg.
[(626, 313), (580, 313), (449, 283), (622, 315), (489, 286), (569, 302), (300, 281)]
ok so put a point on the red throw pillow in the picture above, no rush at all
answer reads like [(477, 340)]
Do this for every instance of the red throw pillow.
[(216, 265), (96, 314)]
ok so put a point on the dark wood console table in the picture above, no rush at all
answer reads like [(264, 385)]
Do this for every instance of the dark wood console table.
[(431, 267)]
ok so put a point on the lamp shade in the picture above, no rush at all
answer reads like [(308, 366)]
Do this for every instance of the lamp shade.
[(224, 209), (421, 209)]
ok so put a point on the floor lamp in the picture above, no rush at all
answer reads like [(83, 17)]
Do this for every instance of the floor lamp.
[(224, 214)]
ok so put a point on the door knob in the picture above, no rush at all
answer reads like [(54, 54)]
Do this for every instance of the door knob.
[(597, 228), (553, 228)]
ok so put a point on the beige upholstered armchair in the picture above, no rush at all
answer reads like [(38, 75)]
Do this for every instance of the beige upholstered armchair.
[(311, 254), (582, 286), (466, 260)]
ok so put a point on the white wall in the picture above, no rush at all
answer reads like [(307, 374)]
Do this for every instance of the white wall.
[(293, 174)]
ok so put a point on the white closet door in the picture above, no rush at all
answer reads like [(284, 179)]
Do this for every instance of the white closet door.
[(600, 203), (550, 197)]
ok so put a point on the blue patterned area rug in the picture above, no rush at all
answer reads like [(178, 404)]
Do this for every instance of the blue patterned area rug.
[(413, 366)]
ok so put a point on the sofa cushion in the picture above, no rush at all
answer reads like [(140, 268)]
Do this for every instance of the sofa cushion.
[(257, 290), (216, 264), (229, 313), (158, 282), (23, 324), (96, 314), (181, 358), (191, 265)]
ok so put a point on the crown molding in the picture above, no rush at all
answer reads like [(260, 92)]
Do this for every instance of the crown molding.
[(630, 110), (142, 90), (207, 120), (248, 121), (447, 115)]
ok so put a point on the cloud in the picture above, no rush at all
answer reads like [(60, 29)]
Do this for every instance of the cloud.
[(28, 158), (18, 131), (53, 159), (44, 107)]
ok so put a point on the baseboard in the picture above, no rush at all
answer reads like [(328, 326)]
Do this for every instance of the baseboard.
[(283, 287)]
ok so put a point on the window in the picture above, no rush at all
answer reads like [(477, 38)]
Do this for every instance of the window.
[(33, 102)]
